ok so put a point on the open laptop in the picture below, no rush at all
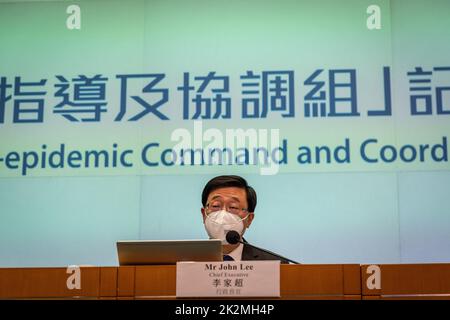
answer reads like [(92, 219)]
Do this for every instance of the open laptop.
[(144, 252)]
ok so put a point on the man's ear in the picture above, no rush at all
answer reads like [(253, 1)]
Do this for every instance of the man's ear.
[(202, 210), (249, 219)]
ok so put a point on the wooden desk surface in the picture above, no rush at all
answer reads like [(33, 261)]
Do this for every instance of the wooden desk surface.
[(333, 281), (407, 281)]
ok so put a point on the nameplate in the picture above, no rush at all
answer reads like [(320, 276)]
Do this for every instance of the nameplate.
[(228, 279)]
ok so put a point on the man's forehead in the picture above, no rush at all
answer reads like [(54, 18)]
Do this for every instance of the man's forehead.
[(229, 192)]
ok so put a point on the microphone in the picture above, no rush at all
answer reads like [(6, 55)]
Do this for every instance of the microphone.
[(233, 237)]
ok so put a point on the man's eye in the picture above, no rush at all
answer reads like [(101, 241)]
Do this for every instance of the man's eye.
[(215, 207), (234, 208)]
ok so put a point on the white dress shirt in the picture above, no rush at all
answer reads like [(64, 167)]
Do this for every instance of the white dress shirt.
[(236, 254)]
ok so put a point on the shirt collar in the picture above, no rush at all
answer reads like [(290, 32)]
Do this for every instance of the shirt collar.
[(236, 254)]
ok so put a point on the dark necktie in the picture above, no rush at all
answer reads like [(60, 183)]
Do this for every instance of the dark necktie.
[(227, 258)]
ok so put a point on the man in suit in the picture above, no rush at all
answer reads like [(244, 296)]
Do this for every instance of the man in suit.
[(229, 204)]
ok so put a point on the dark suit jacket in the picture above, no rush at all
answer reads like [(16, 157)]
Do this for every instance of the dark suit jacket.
[(249, 253)]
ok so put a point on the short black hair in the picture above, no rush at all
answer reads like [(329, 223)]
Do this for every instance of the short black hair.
[(230, 181)]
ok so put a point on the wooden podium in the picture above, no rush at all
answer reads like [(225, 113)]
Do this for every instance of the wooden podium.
[(409, 281), (296, 282), (335, 281)]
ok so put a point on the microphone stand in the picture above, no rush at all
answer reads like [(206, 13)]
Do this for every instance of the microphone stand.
[(267, 251), (234, 237)]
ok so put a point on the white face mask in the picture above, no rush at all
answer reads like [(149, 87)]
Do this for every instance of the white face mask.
[(218, 224)]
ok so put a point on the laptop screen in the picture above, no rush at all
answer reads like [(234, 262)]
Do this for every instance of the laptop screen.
[(145, 252)]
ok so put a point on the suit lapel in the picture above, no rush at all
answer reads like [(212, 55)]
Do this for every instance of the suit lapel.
[(248, 253)]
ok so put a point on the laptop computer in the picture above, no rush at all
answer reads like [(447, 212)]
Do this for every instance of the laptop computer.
[(145, 252)]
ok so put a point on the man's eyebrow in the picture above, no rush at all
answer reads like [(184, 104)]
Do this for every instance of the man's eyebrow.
[(235, 198), (232, 197)]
